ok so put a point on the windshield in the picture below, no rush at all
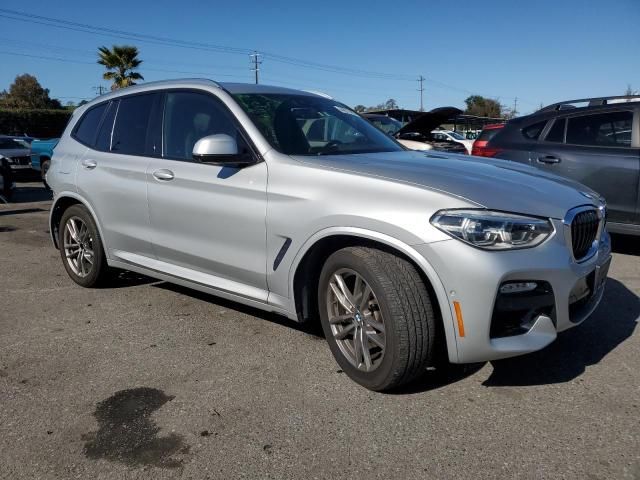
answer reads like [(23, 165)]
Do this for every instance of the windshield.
[(13, 144), (309, 125), (386, 124), (456, 135)]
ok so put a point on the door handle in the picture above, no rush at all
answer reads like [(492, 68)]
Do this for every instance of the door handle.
[(163, 174), (548, 159), (89, 164)]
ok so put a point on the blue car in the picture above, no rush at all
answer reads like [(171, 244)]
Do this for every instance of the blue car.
[(41, 152)]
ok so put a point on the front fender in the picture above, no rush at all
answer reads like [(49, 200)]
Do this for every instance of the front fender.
[(408, 250)]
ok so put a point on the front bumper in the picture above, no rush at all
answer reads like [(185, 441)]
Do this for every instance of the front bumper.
[(472, 277)]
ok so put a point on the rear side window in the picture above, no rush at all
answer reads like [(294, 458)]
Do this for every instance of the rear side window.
[(103, 141), (87, 127), (532, 132), (134, 132), (556, 134), (611, 129), (487, 134)]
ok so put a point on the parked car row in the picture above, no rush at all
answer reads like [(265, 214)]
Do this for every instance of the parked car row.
[(421, 133), (20, 155), (595, 141)]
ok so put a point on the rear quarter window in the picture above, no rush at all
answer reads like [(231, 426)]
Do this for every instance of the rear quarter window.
[(87, 128), (532, 132), (556, 133)]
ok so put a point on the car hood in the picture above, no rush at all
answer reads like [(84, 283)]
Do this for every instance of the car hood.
[(489, 183), (429, 121), (15, 152)]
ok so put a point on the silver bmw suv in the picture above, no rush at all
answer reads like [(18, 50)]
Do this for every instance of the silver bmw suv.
[(291, 202)]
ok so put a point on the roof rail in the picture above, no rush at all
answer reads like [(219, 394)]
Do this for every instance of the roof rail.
[(321, 94), (591, 102)]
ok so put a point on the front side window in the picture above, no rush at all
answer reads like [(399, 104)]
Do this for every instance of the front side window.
[(133, 132), (611, 129), (307, 125), (87, 127), (190, 116)]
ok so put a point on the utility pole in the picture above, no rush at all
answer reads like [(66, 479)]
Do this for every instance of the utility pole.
[(515, 107), (421, 89), (100, 90), (255, 60)]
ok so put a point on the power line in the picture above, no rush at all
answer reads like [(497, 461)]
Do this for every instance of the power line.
[(29, 45), (164, 70), (168, 41), (92, 29)]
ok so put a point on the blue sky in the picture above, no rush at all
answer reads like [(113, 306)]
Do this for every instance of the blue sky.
[(538, 51)]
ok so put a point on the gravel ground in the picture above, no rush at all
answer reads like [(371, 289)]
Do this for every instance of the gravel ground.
[(148, 379)]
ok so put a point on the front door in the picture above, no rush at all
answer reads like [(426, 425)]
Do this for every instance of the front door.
[(207, 221)]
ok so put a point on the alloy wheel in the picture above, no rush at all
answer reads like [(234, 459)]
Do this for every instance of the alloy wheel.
[(78, 247), (355, 319)]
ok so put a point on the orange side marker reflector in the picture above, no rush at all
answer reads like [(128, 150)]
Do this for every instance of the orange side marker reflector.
[(458, 308)]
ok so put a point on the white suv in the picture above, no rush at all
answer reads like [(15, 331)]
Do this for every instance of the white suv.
[(291, 202)]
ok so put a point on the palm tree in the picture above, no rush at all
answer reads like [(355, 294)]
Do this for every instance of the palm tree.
[(120, 62)]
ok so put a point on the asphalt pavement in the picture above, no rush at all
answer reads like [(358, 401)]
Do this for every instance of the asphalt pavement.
[(143, 379)]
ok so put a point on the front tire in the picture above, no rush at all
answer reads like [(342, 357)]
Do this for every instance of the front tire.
[(377, 317), (7, 182), (81, 247)]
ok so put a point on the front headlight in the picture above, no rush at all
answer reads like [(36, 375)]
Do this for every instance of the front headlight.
[(493, 230)]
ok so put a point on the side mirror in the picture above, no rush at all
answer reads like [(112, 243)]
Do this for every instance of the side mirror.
[(220, 149)]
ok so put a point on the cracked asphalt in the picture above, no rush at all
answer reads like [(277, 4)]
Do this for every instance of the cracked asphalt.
[(143, 379)]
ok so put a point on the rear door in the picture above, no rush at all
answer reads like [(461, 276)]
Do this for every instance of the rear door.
[(599, 150), (111, 174)]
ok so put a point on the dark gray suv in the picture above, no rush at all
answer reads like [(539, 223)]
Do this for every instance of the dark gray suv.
[(595, 141)]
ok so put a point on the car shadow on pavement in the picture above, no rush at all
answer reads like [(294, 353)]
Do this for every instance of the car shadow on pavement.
[(310, 328), (30, 193), (576, 349), (126, 278), (625, 244)]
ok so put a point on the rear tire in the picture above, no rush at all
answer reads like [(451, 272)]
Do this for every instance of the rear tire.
[(395, 322), (81, 247), (45, 163)]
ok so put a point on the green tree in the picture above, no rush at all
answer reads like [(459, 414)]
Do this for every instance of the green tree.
[(390, 104), (26, 93), (121, 62), (483, 107), (630, 91), (360, 108)]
